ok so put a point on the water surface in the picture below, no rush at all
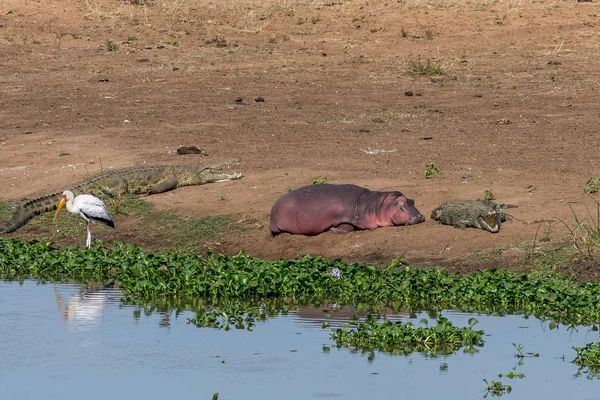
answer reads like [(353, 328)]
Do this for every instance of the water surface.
[(62, 341)]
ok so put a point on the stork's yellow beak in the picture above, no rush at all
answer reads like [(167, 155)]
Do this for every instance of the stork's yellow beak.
[(60, 205)]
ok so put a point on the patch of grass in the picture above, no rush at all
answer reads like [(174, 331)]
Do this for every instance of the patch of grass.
[(591, 186), (586, 234), (489, 194), (431, 170), (7, 208), (424, 67), (125, 205), (111, 45), (177, 233), (319, 181)]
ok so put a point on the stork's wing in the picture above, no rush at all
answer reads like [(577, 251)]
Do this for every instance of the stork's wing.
[(94, 209)]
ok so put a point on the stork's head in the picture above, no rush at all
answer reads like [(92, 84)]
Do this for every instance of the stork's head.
[(66, 196)]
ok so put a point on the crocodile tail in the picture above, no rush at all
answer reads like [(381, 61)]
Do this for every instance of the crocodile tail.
[(29, 209), (497, 207)]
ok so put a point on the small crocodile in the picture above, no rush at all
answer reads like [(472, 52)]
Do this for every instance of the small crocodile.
[(483, 214), (145, 179)]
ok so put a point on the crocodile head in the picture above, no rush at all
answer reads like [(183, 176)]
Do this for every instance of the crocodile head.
[(490, 221)]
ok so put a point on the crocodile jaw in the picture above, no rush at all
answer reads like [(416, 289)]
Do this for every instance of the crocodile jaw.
[(484, 225)]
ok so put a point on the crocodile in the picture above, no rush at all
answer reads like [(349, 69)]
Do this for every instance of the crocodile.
[(144, 179), (483, 214)]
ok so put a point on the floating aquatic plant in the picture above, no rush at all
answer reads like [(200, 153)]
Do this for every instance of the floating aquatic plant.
[(142, 274), (404, 338)]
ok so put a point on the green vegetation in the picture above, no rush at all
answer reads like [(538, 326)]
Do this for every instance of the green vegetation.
[(489, 194), (512, 375), (173, 231), (496, 388), (319, 181), (140, 274), (586, 234), (591, 186), (405, 338), (431, 170), (6, 210), (588, 359), (520, 354), (424, 68), (111, 46)]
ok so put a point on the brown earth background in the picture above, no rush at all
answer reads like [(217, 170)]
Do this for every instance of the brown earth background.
[(515, 111)]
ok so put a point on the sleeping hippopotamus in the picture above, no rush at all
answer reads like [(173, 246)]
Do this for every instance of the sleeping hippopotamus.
[(314, 209)]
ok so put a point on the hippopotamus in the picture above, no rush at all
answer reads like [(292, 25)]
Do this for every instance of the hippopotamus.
[(314, 209)]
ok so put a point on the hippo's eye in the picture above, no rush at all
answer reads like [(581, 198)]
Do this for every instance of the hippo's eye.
[(490, 219)]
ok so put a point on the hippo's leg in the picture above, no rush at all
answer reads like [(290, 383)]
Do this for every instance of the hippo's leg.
[(342, 228)]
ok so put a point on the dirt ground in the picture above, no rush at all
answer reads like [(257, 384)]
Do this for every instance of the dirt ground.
[(516, 110)]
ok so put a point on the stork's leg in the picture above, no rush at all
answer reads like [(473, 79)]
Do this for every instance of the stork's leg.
[(88, 243)]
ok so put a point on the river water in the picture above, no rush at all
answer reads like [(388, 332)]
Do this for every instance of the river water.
[(63, 341)]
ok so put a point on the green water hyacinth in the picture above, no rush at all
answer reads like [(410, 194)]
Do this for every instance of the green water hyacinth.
[(397, 286), (588, 359), (405, 338)]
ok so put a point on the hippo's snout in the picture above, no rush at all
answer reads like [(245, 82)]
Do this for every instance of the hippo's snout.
[(416, 218)]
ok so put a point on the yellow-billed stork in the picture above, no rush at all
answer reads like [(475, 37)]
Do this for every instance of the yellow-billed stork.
[(89, 207)]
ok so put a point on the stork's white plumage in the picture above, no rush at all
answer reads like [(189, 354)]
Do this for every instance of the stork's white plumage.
[(89, 207)]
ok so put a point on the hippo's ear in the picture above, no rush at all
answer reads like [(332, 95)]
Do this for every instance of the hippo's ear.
[(402, 201)]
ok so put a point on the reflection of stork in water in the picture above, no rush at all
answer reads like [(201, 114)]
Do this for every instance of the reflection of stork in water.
[(89, 207), (86, 307)]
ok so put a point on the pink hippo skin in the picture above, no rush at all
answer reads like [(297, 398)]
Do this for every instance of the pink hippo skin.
[(314, 209)]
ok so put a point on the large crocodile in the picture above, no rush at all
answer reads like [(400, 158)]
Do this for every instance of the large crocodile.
[(145, 179), (483, 214)]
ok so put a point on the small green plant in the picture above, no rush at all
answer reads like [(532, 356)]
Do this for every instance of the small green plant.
[(520, 354), (463, 58), (587, 230), (111, 46), (591, 186), (131, 38), (424, 68), (319, 181), (514, 86), (489, 194), (512, 375), (431, 170), (496, 389)]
